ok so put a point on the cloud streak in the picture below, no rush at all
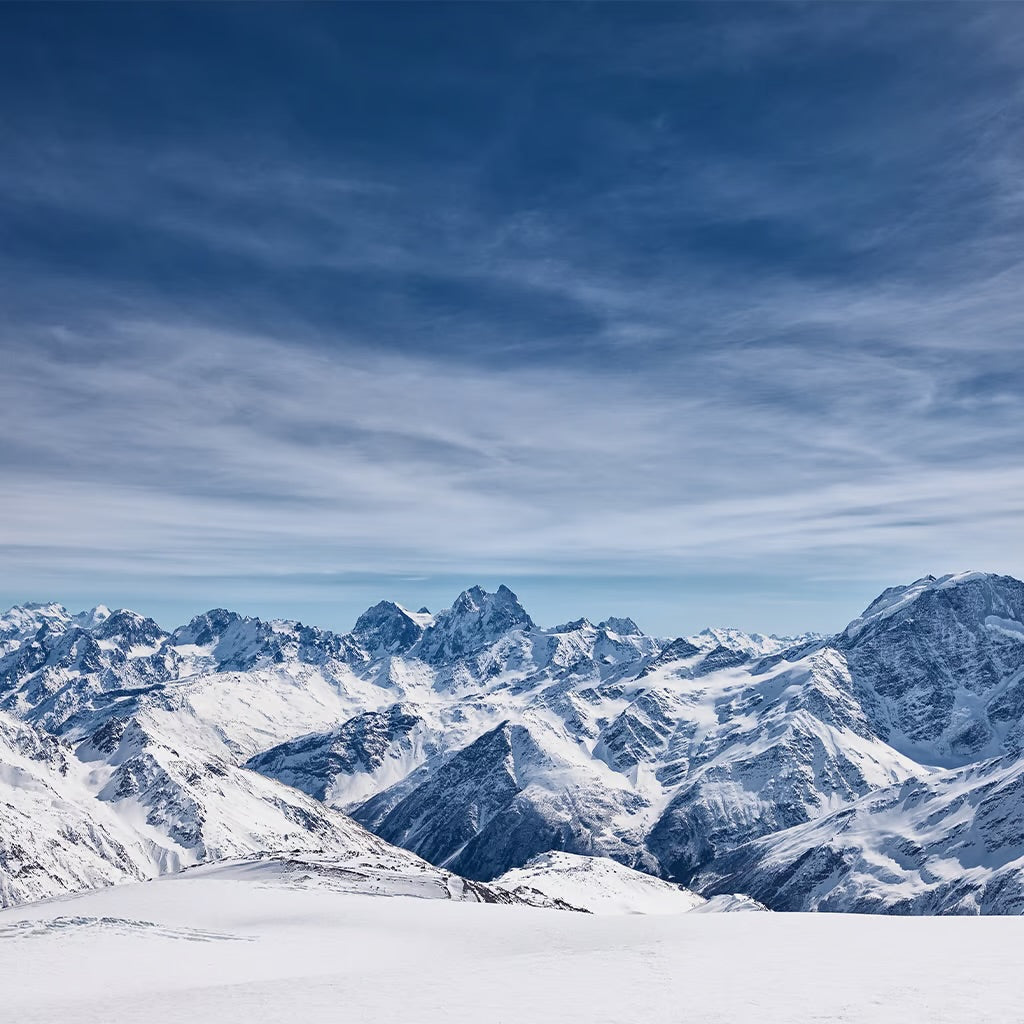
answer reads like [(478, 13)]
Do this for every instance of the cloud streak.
[(652, 319)]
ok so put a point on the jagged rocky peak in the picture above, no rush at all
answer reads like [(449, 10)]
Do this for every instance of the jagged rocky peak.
[(206, 628), (476, 620), (572, 627), (387, 628), (128, 628), (622, 626), (93, 617), (70, 647), (500, 608), (978, 597), (25, 620), (939, 666), (235, 642), (721, 657), (676, 650)]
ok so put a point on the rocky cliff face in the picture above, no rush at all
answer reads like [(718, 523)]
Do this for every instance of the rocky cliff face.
[(939, 667), (950, 843)]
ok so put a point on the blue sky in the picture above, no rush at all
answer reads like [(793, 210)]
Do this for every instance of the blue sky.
[(696, 313)]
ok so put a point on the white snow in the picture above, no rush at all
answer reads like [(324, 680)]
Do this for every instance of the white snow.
[(754, 644), (422, 619), (254, 946), (599, 885), (896, 599), (1008, 627), (730, 903), (950, 843)]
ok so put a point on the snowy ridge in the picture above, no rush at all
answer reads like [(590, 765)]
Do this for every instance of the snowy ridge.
[(951, 843), (756, 645), (127, 806), (598, 885), (54, 835)]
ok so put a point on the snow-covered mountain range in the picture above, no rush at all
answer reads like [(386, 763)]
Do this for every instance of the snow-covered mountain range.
[(876, 769)]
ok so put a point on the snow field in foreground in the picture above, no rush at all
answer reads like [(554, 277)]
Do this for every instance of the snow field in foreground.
[(223, 945)]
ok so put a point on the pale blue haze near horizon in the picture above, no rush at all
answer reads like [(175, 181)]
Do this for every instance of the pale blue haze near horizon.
[(703, 314)]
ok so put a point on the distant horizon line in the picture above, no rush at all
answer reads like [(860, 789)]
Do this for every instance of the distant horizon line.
[(598, 623)]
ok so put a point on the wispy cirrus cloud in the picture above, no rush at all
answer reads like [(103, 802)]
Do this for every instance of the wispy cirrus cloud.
[(743, 308)]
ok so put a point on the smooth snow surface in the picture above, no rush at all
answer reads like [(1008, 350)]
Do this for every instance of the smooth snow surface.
[(253, 947)]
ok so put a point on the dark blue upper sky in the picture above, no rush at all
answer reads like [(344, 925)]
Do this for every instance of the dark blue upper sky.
[(696, 313)]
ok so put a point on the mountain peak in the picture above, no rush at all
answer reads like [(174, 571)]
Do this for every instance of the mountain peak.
[(386, 627), (622, 626), (503, 603), (127, 626), (94, 617), (990, 592), (754, 644), (477, 599), (475, 620), (24, 620), (469, 600), (572, 626), (206, 628)]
